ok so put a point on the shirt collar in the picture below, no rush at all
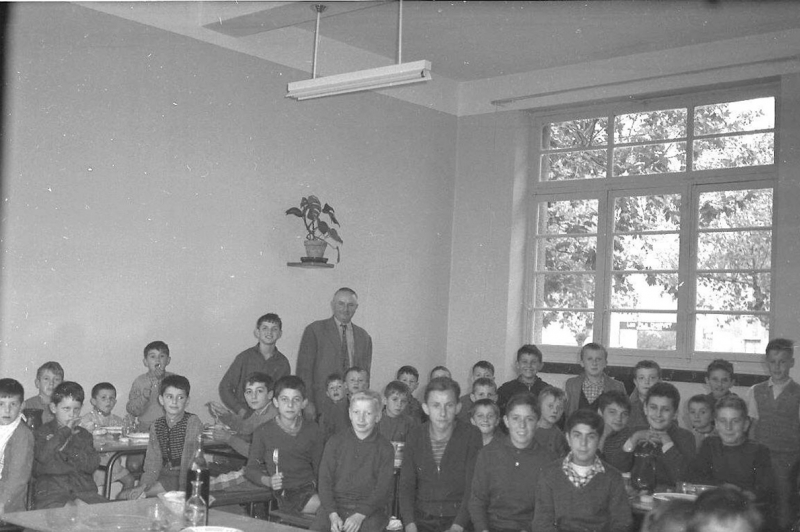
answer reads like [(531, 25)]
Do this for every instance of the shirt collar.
[(339, 324)]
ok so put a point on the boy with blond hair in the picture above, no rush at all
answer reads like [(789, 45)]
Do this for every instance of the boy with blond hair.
[(551, 405), (48, 377), (143, 397), (355, 479), (485, 416), (584, 389)]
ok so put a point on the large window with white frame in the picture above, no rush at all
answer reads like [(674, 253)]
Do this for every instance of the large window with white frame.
[(652, 227)]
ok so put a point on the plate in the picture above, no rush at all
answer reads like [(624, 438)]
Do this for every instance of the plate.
[(139, 435), (211, 529), (113, 430), (663, 497)]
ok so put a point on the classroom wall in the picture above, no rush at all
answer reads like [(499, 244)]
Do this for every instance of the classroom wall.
[(145, 179)]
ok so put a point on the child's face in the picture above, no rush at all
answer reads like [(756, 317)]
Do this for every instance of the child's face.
[(409, 380), (104, 401), (268, 333), (356, 381), (615, 417), (660, 413), (481, 373), (156, 362), (485, 419), (719, 382), (47, 382), (593, 362), (583, 441), (700, 415), (395, 404), (290, 404), (364, 415), (67, 412), (521, 422), (335, 391), (443, 372), (528, 365), (484, 392), (442, 407), (257, 395), (645, 379), (779, 363), (552, 408), (174, 401), (10, 407), (731, 426)]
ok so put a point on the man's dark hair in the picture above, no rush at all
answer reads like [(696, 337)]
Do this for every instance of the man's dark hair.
[(68, 389), (175, 381), (290, 382)]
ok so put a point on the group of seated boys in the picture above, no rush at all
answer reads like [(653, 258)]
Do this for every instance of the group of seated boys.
[(556, 462)]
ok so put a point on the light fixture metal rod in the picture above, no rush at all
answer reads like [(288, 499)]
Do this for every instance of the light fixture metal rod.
[(400, 33), (318, 8)]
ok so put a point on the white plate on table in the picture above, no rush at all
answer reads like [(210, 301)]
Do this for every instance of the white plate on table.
[(139, 435), (113, 430), (211, 529)]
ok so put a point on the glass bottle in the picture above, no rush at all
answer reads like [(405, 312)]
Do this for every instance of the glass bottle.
[(195, 513), (643, 474), (198, 470)]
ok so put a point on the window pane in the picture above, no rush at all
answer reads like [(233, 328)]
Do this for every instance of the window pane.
[(648, 252), (589, 164), (735, 208), (573, 216), (734, 250), (730, 117), (733, 291), (569, 254), (647, 213), (650, 125), (731, 334), (565, 290), (576, 133), (645, 291), (643, 331), (562, 328), (650, 159), (734, 152)]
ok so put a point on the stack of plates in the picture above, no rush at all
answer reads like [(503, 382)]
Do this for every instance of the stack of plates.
[(113, 430), (139, 436)]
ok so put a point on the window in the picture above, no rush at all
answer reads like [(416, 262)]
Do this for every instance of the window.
[(653, 224)]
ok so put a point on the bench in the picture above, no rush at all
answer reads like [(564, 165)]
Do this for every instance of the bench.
[(248, 497)]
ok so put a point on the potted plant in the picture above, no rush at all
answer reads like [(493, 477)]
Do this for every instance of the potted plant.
[(318, 233)]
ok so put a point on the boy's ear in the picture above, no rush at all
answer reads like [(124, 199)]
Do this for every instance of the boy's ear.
[(471, 398), (305, 403), (270, 395), (255, 332), (144, 362), (458, 407), (274, 400), (426, 409), (161, 400), (52, 408), (93, 402), (385, 400)]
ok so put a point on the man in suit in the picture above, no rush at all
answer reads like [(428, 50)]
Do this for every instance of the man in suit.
[(331, 346)]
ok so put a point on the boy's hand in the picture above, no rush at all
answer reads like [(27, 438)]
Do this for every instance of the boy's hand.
[(276, 481), (660, 437), (336, 522), (220, 433), (353, 523), (455, 528)]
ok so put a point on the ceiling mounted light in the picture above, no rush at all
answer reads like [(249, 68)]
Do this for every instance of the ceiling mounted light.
[(362, 80)]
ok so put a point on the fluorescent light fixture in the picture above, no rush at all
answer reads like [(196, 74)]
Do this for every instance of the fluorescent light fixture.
[(362, 80)]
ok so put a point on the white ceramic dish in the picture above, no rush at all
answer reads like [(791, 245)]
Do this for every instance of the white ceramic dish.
[(663, 497)]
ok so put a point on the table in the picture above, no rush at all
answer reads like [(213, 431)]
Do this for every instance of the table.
[(127, 516), (110, 444)]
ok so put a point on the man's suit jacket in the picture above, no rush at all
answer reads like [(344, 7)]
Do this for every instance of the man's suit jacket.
[(318, 355)]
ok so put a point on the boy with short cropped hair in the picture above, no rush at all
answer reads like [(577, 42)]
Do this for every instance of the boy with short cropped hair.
[(581, 492), (333, 409), (614, 407), (16, 448), (48, 377), (730, 458), (264, 357), (719, 378), (395, 423), (103, 401), (529, 363), (356, 380), (482, 369), (355, 479), (774, 407), (299, 443), (438, 460), (645, 374), (64, 455), (549, 436), (143, 401), (174, 440), (672, 446), (584, 389), (482, 388), (485, 416), (440, 371), (409, 376), (507, 471), (258, 391), (700, 410)]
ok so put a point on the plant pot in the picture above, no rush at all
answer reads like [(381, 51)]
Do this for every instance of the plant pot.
[(315, 248)]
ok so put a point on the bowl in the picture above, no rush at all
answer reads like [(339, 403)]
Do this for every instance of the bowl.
[(174, 501)]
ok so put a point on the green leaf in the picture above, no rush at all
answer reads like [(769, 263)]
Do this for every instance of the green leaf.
[(327, 209), (334, 235), (294, 210), (323, 227)]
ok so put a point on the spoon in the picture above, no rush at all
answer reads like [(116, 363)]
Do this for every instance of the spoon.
[(275, 459)]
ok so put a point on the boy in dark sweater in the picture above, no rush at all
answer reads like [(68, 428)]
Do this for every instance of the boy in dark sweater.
[(333, 415), (614, 407), (529, 363), (581, 492), (355, 479), (298, 442), (438, 460), (16, 448), (395, 424), (409, 376)]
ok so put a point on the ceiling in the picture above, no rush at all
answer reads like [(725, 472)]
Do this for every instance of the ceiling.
[(467, 41)]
